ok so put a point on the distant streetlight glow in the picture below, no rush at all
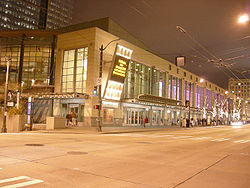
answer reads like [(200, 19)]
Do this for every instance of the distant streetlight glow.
[(226, 92), (201, 80), (243, 18)]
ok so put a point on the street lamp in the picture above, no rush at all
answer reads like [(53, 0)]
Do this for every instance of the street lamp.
[(243, 19), (99, 126)]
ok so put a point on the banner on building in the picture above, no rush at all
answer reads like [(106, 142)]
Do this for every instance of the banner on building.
[(118, 73)]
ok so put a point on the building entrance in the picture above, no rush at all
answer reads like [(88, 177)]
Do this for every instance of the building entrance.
[(78, 109), (134, 116), (157, 117)]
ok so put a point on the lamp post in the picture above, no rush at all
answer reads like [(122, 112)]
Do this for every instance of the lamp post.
[(4, 128), (99, 124)]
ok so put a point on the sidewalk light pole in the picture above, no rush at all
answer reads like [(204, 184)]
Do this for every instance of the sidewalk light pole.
[(4, 128), (99, 125)]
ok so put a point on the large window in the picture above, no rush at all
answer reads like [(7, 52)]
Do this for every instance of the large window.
[(36, 63), (174, 87), (199, 96), (74, 74), (142, 79)]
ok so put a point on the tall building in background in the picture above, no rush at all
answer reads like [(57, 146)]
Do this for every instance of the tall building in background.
[(240, 88), (35, 14)]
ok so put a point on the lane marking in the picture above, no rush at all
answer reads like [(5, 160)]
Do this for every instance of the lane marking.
[(13, 179), (200, 138), (220, 139), (30, 182), (241, 141)]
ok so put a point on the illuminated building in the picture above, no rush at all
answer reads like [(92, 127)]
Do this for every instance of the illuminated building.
[(241, 88), (135, 82), (35, 14)]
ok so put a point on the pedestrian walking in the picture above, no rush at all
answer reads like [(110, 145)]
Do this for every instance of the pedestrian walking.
[(184, 122), (192, 122)]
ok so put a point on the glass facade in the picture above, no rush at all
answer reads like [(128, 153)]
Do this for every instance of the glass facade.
[(36, 63), (209, 101), (142, 79), (74, 73), (199, 97), (174, 87)]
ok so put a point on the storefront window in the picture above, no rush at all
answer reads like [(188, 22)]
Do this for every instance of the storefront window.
[(108, 115), (74, 74)]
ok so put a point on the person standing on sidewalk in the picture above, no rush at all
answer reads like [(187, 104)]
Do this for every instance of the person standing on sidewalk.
[(68, 120), (74, 121), (145, 121)]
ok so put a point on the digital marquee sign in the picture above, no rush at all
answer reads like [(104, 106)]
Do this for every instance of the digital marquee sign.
[(119, 69), (118, 73)]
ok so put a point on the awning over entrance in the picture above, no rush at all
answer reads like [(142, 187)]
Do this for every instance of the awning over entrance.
[(56, 95), (156, 99)]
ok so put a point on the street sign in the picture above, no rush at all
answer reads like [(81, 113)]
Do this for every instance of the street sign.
[(99, 81), (10, 103)]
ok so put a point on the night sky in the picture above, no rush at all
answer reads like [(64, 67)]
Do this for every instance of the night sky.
[(212, 31)]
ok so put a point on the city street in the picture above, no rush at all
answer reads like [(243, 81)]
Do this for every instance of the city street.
[(184, 158)]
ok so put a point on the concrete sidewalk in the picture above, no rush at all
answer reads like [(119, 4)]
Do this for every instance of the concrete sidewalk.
[(112, 130)]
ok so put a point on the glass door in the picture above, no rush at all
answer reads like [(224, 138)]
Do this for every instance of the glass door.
[(134, 117)]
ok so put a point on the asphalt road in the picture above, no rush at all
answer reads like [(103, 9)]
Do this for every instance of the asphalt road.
[(216, 157)]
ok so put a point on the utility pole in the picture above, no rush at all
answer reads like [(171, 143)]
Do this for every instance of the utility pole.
[(99, 126), (99, 122), (4, 128)]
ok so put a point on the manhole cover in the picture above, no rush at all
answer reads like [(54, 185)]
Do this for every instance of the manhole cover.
[(144, 142), (77, 153), (34, 144)]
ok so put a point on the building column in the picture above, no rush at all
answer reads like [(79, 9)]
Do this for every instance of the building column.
[(151, 115), (20, 72), (152, 81), (166, 85), (52, 61)]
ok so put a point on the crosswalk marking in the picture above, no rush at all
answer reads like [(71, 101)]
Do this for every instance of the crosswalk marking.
[(241, 141), (30, 181), (220, 139)]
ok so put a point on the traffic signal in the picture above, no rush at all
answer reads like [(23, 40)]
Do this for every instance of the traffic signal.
[(96, 106), (95, 90)]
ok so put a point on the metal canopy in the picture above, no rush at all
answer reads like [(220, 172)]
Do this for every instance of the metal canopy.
[(56, 95), (157, 99)]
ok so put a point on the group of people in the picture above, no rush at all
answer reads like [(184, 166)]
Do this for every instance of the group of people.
[(198, 122), (188, 123), (71, 119)]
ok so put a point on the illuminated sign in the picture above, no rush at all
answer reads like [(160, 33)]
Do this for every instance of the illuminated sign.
[(119, 69), (113, 90), (110, 104), (124, 52), (118, 73)]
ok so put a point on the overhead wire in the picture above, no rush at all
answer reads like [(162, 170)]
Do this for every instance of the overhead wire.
[(219, 61)]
